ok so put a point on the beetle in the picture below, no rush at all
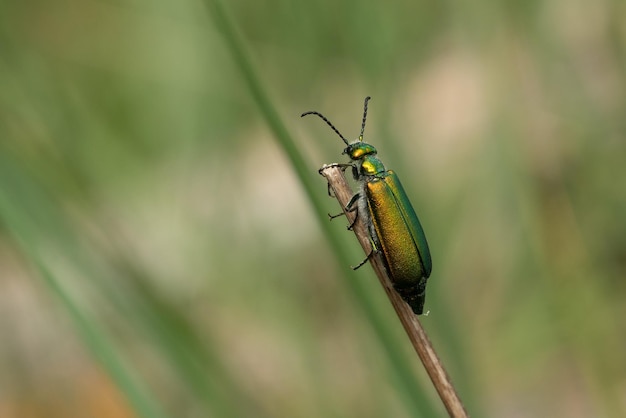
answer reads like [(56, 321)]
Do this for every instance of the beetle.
[(385, 209)]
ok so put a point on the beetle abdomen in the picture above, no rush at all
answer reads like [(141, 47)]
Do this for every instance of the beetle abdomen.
[(400, 238)]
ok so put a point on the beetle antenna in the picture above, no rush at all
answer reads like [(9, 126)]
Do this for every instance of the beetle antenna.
[(367, 99), (327, 122)]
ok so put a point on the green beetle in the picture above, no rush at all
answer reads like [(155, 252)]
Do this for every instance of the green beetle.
[(383, 206)]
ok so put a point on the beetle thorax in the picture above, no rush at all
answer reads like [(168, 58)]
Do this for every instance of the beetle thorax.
[(371, 166)]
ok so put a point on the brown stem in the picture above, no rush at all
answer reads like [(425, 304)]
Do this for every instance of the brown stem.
[(334, 174)]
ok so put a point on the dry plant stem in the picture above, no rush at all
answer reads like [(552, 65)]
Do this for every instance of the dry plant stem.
[(334, 173)]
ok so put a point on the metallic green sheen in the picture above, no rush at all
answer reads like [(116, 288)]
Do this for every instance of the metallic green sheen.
[(397, 232), (392, 224)]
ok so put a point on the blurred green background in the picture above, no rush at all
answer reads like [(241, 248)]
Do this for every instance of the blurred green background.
[(163, 254)]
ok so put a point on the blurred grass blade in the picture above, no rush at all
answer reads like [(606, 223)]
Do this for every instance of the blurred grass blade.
[(194, 360), (33, 219), (24, 230), (410, 389)]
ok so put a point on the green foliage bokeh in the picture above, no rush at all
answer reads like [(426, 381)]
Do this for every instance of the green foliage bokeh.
[(160, 246)]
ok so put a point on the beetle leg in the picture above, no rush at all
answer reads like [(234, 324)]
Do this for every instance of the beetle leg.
[(350, 207), (354, 220), (364, 261), (374, 251), (355, 172), (329, 191)]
